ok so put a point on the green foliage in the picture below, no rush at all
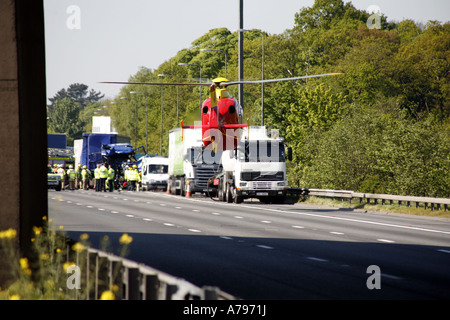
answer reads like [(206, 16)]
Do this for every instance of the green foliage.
[(64, 118), (71, 111)]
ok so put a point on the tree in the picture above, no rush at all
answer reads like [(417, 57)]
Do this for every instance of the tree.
[(65, 119), (79, 93)]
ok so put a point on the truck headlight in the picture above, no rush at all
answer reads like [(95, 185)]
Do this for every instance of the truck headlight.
[(280, 184), (243, 184)]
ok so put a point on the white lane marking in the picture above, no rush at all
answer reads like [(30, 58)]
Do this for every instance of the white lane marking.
[(79, 204), (68, 201), (385, 240), (124, 199), (147, 219), (177, 207), (195, 210), (169, 224), (194, 230), (163, 204), (101, 209), (264, 247), (390, 276), (298, 227), (444, 251), (266, 221), (129, 215), (226, 238), (114, 211), (346, 219), (215, 213), (238, 217), (89, 206), (317, 259), (336, 232)]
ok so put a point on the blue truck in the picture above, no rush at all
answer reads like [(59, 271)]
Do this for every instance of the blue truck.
[(110, 148)]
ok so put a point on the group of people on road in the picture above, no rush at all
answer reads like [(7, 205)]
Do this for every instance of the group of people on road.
[(132, 177), (73, 178), (103, 177)]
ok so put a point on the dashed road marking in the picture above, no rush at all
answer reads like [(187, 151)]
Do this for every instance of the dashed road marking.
[(264, 247), (385, 240)]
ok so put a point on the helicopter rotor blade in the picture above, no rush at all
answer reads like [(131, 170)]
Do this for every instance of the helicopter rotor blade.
[(278, 80), (158, 83), (219, 84)]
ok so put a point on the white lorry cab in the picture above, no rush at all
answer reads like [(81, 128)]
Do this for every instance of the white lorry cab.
[(155, 173)]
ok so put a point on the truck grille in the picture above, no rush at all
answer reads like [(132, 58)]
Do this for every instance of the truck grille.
[(262, 185), (203, 174)]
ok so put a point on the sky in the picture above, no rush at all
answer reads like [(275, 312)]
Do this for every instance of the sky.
[(89, 41)]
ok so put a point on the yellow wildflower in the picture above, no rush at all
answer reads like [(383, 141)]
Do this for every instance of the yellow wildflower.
[(67, 264), (84, 236), (37, 230), (125, 239), (24, 266), (107, 295), (78, 247), (44, 256), (8, 234)]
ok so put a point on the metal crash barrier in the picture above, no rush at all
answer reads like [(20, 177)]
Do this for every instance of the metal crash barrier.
[(130, 280)]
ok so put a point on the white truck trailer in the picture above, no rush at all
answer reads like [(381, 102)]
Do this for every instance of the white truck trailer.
[(190, 164), (257, 169)]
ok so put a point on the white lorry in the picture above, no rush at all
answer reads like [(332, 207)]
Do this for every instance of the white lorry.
[(155, 173), (190, 164), (256, 169)]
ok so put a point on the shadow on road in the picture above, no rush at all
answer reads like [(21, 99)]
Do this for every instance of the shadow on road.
[(286, 269)]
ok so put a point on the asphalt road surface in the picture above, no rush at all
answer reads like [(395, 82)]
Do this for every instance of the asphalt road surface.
[(257, 251)]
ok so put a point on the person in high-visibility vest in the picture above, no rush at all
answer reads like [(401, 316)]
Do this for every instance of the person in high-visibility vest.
[(78, 178), (97, 178), (62, 173), (71, 175), (133, 176), (111, 175), (103, 177), (85, 176)]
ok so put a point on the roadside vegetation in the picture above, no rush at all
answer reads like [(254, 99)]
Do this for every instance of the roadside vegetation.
[(50, 272)]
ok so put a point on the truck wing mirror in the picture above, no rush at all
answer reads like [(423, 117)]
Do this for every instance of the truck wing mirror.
[(290, 153)]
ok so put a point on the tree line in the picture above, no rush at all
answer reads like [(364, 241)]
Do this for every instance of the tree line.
[(382, 126)]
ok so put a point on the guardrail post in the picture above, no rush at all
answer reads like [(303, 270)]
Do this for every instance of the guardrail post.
[(91, 260), (210, 293), (131, 278), (151, 285), (101, 276), (115, 278), (170, 290)]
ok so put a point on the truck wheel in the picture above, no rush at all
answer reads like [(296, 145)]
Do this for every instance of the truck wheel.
[(228, 195), (220, 191), (183, 188), (236, 198), (58, 188)]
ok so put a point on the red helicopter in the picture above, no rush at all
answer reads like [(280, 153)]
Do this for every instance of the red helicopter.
[(221, 114)]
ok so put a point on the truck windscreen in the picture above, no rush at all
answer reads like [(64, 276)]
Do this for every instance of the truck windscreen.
[(262, 151)]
